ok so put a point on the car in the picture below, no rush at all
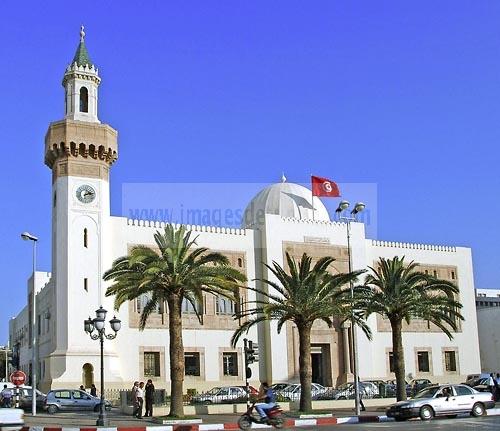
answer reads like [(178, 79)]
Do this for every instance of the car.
[(292, 392), (346, 391), (11, 419), (442, 400), (276, 387), (480, 384), (72, 400), (220, 395), (25, 396), (416, 385), (252, 390)]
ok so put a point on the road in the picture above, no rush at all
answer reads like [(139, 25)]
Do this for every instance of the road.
[(467, 423)]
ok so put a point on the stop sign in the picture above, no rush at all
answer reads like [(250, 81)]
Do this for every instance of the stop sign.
[(18, 378)]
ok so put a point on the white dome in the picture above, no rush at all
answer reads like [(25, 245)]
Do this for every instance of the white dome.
[(287, 200)]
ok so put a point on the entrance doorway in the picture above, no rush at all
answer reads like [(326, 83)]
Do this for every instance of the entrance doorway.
[(87, 375), (321, 364)]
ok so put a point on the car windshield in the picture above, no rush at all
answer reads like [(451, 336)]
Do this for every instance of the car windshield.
[(345, 386), (427, 392), (213, 391), (291, 388)]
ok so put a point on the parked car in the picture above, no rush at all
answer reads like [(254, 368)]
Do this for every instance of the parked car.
[(480, 384), (252, 390), (11, 419), (442, 400), (25, 396), (72, 400), (416, 385), (220, 395), (276, 387), (346, 391), (292, 392)]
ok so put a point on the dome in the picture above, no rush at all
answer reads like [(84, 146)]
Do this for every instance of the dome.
[(287, 200)]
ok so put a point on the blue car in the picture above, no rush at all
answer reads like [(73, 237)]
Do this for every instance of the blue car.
[(72, 400)]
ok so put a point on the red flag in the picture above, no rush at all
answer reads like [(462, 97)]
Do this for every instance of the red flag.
[(324, 187)]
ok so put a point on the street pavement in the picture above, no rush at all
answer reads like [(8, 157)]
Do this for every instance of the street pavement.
[(444, 424)]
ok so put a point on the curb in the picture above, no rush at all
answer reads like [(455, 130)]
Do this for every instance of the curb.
[(234, 426), (226, 426)]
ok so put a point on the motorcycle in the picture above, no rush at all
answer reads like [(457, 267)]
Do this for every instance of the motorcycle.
[(274, 418)]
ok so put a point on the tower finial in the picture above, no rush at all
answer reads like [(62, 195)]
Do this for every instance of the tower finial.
[(283, 178), (82, 33)]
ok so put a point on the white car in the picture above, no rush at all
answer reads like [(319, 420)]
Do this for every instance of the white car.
[(11, 419), (292, 392)]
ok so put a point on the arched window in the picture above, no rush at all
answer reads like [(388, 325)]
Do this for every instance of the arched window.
[(85, 238), (84, 99)]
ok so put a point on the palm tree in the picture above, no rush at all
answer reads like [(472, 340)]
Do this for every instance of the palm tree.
[(176, 271), (399, 292), (303, 295)]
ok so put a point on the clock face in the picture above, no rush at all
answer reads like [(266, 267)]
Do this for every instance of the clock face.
[(85, 193)]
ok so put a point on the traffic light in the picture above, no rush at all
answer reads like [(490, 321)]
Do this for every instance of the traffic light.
[(252, 352)]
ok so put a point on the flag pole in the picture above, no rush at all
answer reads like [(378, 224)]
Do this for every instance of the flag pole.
[(312, 196)]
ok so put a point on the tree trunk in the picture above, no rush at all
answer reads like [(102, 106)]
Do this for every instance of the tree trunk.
[(399, 358), (305, 367), (176, 350)]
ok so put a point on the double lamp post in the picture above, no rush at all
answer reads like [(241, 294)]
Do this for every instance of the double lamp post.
[(347, 219), (95, 328)]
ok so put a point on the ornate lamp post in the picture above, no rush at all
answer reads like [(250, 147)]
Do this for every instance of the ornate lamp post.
[(360, 206), (98, 324)]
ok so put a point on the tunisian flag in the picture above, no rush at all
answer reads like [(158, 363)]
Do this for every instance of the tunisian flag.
[(324, 187)]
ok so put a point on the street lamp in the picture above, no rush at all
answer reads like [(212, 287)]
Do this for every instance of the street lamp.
[(347, 219), (98, 324), (26, 236)]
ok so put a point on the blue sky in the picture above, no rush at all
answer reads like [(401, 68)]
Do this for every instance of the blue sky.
[(403, 95)]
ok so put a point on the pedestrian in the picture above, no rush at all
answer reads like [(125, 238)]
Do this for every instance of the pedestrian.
[(93, 390), (496, 395), (491, 384), (82, 388), (150, 394), (6, 395), (135, 402), (361, 391), (140, 400)]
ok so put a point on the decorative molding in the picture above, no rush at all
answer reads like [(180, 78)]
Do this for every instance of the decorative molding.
[(391, 244), (193, 228)]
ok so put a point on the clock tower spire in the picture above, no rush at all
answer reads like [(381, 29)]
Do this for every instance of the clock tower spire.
[(79, 150)]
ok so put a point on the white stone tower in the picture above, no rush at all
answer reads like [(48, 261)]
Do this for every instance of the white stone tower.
[(79, 150)]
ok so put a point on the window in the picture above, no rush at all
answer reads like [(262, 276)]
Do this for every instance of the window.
[(426, 272), (224, 305), (240, 262), (423, 362), (151, 364), (85, 238), (192, 364), (188, 308), (65, 395), (463, 390), (86, 284), (391, 362), (230, 363), (435, 273), (450, 361), (39, 325), (453, 275), (84, 99)]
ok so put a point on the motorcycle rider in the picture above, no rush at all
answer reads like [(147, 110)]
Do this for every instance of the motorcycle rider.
[(269, 397)]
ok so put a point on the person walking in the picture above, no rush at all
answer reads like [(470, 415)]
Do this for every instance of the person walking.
[(140, 399), (361, 392), (491, 384), (135, 401), (93, 390), (82, 388), (6, 397), (150, 394)]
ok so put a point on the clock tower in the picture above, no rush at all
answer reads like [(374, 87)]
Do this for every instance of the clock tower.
[(79, 150)]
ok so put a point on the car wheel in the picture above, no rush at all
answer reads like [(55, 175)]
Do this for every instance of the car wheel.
[(426, 413), (108, 408), (52, 409), (342, 398), (477, 410), (207, 402)]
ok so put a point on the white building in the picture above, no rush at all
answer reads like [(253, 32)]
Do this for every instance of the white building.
[(86, 238), (488, 316)]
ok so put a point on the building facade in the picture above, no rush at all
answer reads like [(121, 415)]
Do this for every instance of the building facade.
[(86, 238), (488, 315)]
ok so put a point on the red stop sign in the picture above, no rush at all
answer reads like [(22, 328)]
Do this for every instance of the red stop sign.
[(18, 378)]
